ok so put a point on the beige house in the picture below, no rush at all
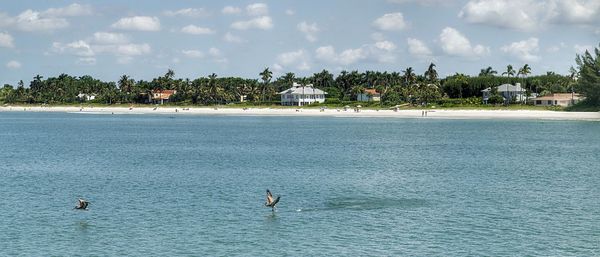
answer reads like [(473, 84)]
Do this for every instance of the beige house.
[(561, 99)]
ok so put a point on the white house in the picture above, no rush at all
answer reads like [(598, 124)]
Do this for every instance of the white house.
[(86, 97), (508, 92), (562, 99), (369, 95), (300, 95)]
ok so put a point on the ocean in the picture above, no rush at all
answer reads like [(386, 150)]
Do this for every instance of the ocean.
[(184, 185)]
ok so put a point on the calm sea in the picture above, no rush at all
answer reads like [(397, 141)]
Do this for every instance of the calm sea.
[(195, 186)]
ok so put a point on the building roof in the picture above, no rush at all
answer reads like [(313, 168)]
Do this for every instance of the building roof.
[(164, 94), (559, 96), (298, 89), (506, 88), (371, 91)]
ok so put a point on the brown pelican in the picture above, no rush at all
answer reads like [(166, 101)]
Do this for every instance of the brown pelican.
[(82, 204), (270, 202)]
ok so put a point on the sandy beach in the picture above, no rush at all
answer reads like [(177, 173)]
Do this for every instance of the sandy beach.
[(444, 114)]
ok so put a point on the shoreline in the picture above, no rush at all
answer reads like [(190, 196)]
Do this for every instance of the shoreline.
[(433, 113)]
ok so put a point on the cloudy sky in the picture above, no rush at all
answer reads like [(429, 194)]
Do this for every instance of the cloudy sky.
[(143, 39)]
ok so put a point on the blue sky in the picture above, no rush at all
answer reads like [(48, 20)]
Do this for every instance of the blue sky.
[(143, 39)]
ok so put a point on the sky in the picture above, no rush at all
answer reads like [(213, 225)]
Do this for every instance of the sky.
[(143, 39)]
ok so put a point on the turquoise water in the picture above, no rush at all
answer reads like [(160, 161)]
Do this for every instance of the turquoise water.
[(195, 185)]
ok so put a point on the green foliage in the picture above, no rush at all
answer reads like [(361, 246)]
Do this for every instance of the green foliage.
[(395, 87), (589, 76)]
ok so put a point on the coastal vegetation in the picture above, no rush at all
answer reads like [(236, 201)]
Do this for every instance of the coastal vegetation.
[(405, 87)]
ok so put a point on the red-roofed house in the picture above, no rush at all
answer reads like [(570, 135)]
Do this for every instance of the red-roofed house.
[(161, 96), (369, 95)]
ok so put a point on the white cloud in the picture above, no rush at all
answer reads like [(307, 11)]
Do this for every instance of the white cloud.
[(298, 59), (188, 12), (102, 43), (195, 30), (418, 49), (503, 13), (32, 21), (217, 55), (70, 10), (110, 38), (455, 43), (132, 49), (326, 53), (390, 21), (530, 14), (257, 9), (6, 40), (193, 53), (385, 45), (13, 65), (290, 12), (574, 11), (48, 20), (77, 48), (523, 50), (263, 22), (310, 30), (141, 23), (346, 57), (349, 56), (382, 52), (231, 10), (228, 37)]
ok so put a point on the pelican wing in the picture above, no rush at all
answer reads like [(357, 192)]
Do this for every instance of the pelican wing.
[(269, 197), (273, 203)]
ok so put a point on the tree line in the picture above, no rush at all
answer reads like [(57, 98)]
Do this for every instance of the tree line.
[(395, 87)]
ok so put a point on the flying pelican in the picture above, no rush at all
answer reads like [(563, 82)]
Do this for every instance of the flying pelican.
[(270, 202), (82, 204)]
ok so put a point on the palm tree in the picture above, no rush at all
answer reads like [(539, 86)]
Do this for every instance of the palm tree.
[(409, 76), (213, 87), (524, 71), (126, 84), (509, 71), (489, 71), (266, 76), (356, 90), (431, 73)]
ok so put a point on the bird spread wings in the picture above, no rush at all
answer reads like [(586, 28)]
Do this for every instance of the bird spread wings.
[(269, 197), (82, 204)]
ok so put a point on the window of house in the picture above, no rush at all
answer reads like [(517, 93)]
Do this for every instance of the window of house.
[(538, 102), (550, 102)]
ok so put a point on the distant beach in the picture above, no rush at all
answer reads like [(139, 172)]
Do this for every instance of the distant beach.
[(331, 112)]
